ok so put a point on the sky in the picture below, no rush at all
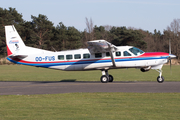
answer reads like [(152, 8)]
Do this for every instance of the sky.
[(140, 14)]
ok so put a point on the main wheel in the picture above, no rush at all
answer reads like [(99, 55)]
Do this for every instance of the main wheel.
[(160, 79), (104, 79), (111, 78)]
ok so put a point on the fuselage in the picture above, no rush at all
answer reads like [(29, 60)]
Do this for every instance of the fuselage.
[(82, 59)]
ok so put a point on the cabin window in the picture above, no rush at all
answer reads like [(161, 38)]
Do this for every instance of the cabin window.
[(118, 53), (77, 56), (98, 55), (60, 57), (107, 54), (68, 57), (126, 53), (87, 55)]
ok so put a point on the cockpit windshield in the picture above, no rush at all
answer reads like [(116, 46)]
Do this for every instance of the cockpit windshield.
[(136, 51)]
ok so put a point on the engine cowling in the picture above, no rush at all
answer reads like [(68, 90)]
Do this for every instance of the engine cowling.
[(145, 69)]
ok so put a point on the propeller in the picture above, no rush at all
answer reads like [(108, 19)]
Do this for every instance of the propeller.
[(171, 56), (170, 53)]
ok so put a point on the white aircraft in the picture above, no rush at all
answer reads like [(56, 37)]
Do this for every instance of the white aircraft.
[(100, 55)]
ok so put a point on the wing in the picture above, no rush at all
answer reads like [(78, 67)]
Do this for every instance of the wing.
[(102, 46)]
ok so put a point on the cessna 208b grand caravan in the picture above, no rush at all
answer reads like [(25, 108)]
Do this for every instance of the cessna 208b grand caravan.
[(100, 55)]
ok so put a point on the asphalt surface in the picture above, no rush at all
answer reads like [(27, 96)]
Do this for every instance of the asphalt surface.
[(55, 87)]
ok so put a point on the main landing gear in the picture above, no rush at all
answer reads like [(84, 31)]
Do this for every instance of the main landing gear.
[(160, 78), (106, 77)]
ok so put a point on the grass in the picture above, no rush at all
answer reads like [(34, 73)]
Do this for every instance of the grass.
[(86, 106), (28, 73)]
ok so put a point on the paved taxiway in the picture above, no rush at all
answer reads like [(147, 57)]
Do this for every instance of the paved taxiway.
[(54, 87)]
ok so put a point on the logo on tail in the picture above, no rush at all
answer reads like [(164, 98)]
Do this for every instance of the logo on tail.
[(13, 41)]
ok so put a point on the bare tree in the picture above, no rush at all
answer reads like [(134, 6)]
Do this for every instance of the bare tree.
[(175, 37), (108, 27), (174, 26), (89, 29)]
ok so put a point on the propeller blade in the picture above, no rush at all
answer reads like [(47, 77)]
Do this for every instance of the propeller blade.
[(169, 46), (170, 63), (170, 66)]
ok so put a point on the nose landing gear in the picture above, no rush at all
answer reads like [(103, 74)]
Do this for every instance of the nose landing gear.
[(160, 78)]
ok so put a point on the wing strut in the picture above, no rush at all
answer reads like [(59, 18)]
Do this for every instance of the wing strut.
[(102, 46), (111, 54)]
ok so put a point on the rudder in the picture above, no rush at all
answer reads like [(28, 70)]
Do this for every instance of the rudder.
[(13, 40)]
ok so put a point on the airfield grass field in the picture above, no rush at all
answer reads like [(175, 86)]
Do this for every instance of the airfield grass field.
[(86, 106)]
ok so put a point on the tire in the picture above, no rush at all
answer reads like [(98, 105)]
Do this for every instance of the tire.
[(104, 79), (142, 70), (160, 79), (111, 78)]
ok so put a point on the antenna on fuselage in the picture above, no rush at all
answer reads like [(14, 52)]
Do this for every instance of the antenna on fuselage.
[(54, 49)]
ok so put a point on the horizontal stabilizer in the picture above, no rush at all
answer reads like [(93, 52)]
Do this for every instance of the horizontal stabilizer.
[(14, 56)]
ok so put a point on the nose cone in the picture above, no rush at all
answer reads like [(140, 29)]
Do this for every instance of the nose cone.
[(172, 56)]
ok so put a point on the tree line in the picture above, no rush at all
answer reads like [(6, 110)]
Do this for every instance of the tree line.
[(41, 33)]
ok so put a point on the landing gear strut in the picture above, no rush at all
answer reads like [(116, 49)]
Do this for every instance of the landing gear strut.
[(160, 78), (106, 77)]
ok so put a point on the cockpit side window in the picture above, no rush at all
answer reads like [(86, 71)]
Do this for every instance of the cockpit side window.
[(136, 51), (126, 53)]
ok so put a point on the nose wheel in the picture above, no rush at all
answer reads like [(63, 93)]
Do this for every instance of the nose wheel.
[(106, 77), (160, 78)]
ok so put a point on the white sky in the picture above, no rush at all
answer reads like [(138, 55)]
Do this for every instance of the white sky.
[(144, 14)]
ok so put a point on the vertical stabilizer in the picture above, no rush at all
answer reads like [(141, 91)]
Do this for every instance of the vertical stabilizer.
[(13, 40)]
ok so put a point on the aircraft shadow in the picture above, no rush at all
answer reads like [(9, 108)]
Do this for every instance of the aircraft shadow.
[(74, 81), (70, 81), (64, 80)]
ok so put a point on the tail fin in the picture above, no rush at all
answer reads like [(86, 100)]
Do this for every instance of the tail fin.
[(13, 40)]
